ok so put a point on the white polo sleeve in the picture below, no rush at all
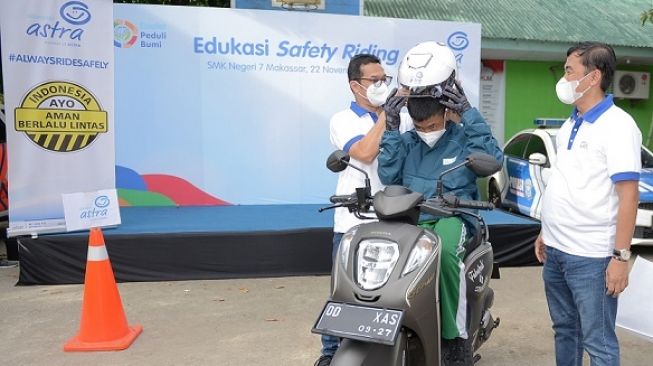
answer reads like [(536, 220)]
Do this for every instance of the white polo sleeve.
[(344, 131), (623, 150)]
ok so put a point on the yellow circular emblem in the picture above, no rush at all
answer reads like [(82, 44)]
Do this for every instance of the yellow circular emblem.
[(61, 116)]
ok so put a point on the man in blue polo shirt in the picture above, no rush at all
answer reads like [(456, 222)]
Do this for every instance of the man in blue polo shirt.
[(357, 130), (588, 211)]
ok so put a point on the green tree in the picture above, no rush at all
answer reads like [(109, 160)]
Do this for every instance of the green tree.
[(646, 16), (213, 3)]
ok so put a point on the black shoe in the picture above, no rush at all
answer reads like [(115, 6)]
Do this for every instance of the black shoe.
[(8, 264), (323, 361), (457, 352)]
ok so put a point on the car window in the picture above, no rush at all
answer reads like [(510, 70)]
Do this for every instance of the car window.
[(535, 145), (647, 159), (516, 147)]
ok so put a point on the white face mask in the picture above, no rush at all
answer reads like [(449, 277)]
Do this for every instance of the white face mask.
[(566, 90), (377, 95), (430, 138)]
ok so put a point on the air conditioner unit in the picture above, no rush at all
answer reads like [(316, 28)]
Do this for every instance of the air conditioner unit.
[(631, 84)]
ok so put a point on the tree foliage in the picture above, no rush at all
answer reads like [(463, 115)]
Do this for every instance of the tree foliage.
[(213, 3), (646, 16)]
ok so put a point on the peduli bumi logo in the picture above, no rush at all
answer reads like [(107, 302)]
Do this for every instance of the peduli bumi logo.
[(125, 33), (61, 116)]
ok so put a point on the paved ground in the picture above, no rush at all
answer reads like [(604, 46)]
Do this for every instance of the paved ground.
[(250, 322)]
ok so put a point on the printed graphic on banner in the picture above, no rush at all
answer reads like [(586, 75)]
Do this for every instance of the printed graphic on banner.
[(242, 110), (144, 35), (68, 30), (493, 96), (85, 210), (458, 41), (61, 116), (125, 33), (58, 76)]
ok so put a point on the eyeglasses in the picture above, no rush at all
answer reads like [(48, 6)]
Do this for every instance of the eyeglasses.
[(377, 82)]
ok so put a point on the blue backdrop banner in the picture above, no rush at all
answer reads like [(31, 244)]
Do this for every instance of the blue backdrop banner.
[(234, 105)]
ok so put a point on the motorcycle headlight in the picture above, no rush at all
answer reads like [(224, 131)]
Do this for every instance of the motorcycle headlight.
[(376, 258), (420, 253), (345, 243)]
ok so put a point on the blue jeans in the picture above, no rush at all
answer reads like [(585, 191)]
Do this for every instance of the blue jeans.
[(330, 343), (583, 315)]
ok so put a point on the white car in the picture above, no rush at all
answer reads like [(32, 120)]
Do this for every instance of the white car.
[(528, 157)]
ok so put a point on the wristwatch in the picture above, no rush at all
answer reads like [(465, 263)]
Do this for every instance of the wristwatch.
[(621, 254)]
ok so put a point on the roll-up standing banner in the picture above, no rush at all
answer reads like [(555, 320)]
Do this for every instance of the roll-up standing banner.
[(57, 60)]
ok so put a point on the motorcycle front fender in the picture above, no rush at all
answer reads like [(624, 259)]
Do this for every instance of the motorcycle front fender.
[(357, 353)]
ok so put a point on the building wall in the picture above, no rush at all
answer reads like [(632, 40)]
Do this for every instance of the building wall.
[(530, 93)]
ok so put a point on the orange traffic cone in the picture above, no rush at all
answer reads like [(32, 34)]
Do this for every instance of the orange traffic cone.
[(103, 326)]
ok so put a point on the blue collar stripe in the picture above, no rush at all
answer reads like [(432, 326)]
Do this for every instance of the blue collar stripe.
[(620, 177), (591, 116), (574, 131), (360, 111), (351, 142)]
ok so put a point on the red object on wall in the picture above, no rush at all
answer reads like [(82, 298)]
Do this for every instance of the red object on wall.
[(495, 65), (4, 195)]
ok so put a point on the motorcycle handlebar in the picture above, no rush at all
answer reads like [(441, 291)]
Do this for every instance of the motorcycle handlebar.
[(475, 204), (435, 210), (455, 202), (341, 199)]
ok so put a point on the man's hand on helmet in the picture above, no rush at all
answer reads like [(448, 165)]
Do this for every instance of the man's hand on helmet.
[(392, 107), (457, 101)]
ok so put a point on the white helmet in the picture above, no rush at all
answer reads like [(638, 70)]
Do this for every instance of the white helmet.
[(425, 65)]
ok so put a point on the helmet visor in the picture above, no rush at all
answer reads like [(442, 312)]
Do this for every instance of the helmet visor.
[(428, 91)]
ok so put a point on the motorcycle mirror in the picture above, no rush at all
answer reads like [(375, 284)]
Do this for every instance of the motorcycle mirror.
[(482, 165), (337, 161)]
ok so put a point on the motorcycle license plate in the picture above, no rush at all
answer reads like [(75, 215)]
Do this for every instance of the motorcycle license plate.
[(359, 322)]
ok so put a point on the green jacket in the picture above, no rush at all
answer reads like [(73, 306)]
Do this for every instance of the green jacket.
[(406, 160)]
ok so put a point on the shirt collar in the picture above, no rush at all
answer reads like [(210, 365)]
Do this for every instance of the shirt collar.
[(360, 111), (595, 112)]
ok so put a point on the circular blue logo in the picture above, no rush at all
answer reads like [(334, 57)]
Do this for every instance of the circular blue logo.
[(75, 13), (102, 201), (458, 41)]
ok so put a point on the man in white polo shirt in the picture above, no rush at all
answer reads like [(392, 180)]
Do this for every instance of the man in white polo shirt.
[(357, 130), (588, 211)]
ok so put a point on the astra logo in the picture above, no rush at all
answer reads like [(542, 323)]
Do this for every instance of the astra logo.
[(75, 13), (458, 41), (102, 201), (99, 209)]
